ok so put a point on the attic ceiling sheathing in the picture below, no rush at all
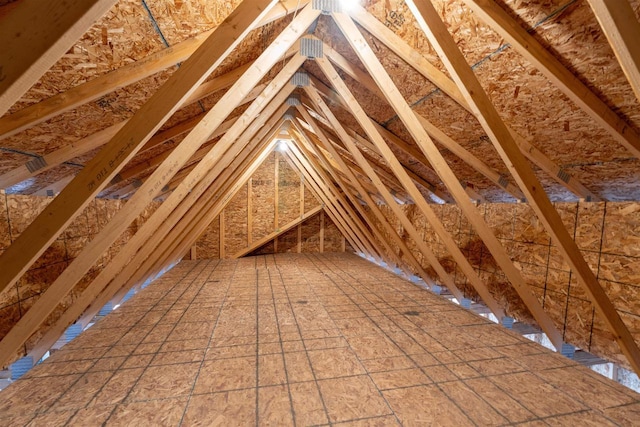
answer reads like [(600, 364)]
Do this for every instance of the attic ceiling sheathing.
[(448, 86), (123, 76), (183, 212), (364, 79)]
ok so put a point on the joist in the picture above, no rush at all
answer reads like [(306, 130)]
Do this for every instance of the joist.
[(501, 22), (439, 37), (619, 23), (123, 76), (35, 35), (160, 251), (448, 86), (281, 230), (101, 169), (188, 194), (95, 296)]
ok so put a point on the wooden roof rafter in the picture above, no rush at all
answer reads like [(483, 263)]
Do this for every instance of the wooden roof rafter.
[(170, 166), (364, 79), (309, 148), (618, 22), (340, 212), (202, 207), (375, 210), (503, 140), (552, 68), (433, 154), (128, 74), (123, 268), (35, 35), (147, 120), (410, 186), (448, 86), (158, 249)]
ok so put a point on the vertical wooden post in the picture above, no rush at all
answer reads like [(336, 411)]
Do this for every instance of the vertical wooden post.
[(321, 231), (221, 248), (276, 201), (192, 254), (301, 213), (249, 212), (276, 172)]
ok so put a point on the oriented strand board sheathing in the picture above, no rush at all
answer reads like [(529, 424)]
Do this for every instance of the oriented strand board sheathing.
[(208, 244), (262, 215), (288, 242), (235, 219), (332, 236), (288, 192), (607, 234), (263, 198), (305, 340)]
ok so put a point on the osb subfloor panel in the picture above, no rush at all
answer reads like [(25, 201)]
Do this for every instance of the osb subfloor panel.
[(305, 340)]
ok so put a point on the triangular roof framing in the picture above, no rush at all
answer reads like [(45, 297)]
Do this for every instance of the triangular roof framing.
[(323, 150)]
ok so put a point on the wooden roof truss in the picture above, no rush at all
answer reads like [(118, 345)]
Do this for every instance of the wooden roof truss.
[(199, 176)]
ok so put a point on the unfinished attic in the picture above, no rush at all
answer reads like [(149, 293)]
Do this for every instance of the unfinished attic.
[(334, 212)]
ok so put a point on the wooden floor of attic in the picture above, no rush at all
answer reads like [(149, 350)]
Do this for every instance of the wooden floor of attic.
[(318, 339)]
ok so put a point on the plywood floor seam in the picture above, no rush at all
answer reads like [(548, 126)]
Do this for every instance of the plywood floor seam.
[(305, 339)]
